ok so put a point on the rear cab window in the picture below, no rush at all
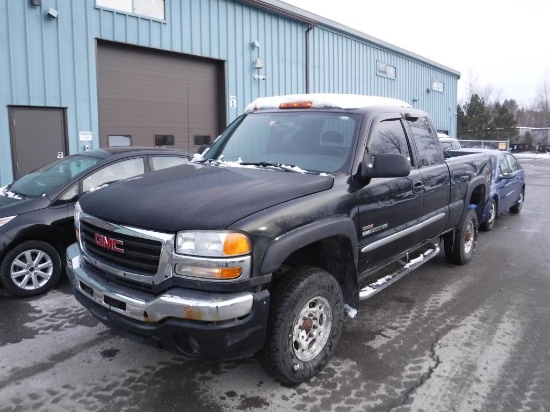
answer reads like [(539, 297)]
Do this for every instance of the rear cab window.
[(425, 140)]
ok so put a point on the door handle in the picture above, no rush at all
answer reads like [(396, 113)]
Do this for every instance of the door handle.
[(418, 187)]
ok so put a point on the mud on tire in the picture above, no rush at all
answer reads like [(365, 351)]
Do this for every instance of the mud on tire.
[(305, 322), (460, 245)]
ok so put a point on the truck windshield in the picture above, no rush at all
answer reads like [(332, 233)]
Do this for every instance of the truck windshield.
[(313, 141), (51, 176)]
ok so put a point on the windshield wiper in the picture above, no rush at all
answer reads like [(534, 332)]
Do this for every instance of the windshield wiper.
[(286, 168)]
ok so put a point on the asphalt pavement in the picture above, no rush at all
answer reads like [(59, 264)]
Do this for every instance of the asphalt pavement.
[(444, 338)]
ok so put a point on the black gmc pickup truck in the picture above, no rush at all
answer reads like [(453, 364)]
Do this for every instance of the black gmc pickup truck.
[(304, 206)]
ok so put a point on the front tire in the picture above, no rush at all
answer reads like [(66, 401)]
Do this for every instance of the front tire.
[(31, 268), (305, 322), (460, 245), (517, 206), (489, 224)]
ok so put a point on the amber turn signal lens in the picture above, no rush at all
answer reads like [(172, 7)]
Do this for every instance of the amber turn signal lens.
[(236, 244), (230, 273)]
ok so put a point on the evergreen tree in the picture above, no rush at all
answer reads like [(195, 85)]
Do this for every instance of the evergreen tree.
[(503, 125), (474, 119)]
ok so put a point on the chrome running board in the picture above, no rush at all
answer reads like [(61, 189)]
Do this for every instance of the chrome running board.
[(375, 287)]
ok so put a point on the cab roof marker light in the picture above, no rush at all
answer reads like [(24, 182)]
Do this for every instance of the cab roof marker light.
[(296, 105), (325, 100)]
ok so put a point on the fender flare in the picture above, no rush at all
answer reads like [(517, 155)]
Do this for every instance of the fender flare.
[(475, 182), (284, 245)]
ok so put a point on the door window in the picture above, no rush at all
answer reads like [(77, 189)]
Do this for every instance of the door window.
[(117, 171), (388, 136), (512, 162), (503, 166), (70, 194), (163, 162)]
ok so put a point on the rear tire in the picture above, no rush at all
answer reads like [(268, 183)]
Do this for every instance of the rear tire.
[(305, 322), (489, 224), (460, 245), (31, 268), (517, 206)]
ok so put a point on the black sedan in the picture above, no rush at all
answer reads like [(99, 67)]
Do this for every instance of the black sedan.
[(36, 211)]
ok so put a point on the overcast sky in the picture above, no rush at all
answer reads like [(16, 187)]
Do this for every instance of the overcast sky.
[(505, 44)]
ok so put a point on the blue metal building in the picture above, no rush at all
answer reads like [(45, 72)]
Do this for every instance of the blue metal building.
[(80, 74)]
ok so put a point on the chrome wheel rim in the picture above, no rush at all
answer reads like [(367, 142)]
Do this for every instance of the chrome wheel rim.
[(520, 200), (492, 214), (469, 237), (312, 328), (31, 269)]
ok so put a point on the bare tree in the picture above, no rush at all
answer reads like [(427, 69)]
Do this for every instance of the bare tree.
[(489, 93), (542, 101)]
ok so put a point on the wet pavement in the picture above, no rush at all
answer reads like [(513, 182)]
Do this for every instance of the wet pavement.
[(444, 338)]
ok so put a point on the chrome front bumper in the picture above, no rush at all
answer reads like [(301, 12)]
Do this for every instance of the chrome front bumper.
[(135, 304)]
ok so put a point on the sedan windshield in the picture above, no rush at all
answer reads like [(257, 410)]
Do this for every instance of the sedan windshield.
[(51, 176), (311, 141)]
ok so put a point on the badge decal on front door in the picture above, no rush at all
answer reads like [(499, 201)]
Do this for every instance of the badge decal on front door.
[(367, 230)]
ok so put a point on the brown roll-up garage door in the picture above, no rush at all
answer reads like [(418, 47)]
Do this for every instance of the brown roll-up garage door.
[(149, 97)]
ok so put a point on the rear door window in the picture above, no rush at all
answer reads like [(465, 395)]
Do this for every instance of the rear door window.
[(163, 162)]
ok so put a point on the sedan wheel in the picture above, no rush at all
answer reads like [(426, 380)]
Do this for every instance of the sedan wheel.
[(517, 207), (491, 218), (30, 268)]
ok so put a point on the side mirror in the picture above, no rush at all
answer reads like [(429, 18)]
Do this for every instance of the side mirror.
[(505, 176), (385, 165), (202, 148)]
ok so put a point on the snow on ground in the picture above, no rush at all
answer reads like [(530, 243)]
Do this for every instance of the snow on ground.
[(531, 155)]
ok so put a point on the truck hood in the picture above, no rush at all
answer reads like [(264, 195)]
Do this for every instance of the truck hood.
[(198, 197)]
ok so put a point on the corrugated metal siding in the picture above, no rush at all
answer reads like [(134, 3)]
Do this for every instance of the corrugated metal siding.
[(343, 64), (46, 62)]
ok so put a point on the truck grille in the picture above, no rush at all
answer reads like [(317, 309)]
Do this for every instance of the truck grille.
[(140, 255)]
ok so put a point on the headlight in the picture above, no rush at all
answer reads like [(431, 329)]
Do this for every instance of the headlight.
[(4, 220), (212, 244)]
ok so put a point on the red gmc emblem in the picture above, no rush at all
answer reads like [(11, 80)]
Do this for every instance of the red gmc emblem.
[(109, 243)]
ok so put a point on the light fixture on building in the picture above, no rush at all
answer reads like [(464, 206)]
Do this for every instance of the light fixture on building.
[(415, 99), (35, 2), (52, 13), (258, 64)]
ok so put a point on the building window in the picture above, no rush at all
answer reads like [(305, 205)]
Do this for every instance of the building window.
[(385, 70), (120, 140), (164, 140), (200, 140), (437, 86), (149, 8)]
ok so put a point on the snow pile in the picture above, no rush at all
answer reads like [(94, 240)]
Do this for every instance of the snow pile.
[(320, 100), (5, 192), (419, 258)]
